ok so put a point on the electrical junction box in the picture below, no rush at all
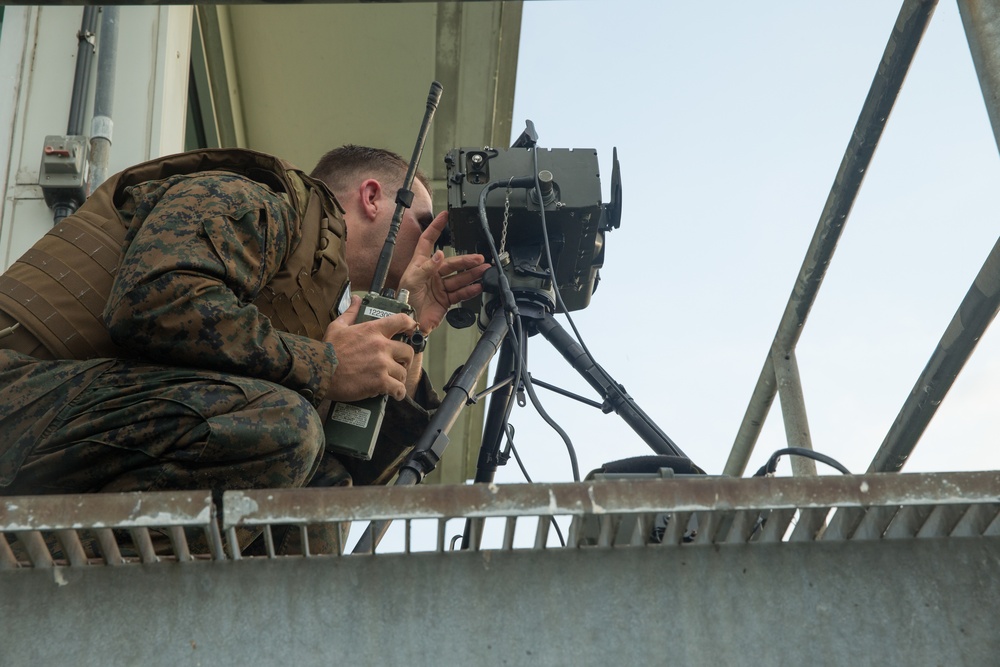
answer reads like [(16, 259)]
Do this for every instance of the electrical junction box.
[(63, 174)]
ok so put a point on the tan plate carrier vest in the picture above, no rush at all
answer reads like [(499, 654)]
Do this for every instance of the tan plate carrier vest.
[(58, 290)]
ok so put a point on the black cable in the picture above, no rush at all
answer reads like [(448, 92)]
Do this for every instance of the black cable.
[(517, 457), (520, 342), (555, 427), (524, 471), (521, 370), (562, 305), (508, 408), (507, 303), (772, 463), (562, 540), (552, 271)]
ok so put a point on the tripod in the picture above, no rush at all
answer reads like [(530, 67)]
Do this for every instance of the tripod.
[(509, 325)]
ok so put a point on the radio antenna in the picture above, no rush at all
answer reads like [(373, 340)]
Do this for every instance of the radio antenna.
[(404, 196)]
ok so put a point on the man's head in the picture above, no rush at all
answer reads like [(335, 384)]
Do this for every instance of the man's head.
[(365, 181)]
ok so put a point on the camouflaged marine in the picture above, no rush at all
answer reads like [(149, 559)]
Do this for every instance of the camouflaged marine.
[(188, 294)]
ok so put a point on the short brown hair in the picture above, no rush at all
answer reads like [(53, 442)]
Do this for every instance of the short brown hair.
[(342, 167)]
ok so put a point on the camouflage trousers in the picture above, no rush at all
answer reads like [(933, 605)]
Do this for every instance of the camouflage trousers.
[(142, 427)]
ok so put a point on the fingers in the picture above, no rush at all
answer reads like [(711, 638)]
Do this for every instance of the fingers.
[(425, 246), (395, 384), (349, 316), (464, 293), (433, 231), (369, 362), (397, 354), (388, 363), (464, 283), (391, 326), (448, 265), (398, 359), (460, 279)]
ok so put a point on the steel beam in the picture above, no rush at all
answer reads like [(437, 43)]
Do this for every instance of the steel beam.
[(981, 19), (793, 409), (977, 310), (899, 51), (980, 305)]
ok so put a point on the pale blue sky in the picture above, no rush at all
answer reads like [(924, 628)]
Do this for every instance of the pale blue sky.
[(731, 121)]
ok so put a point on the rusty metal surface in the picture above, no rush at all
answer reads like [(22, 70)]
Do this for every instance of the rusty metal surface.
[(608, 497), (115, 529), (111, 510), (106, 529)]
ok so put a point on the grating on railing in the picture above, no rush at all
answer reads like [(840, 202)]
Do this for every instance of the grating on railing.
[(118, 529)]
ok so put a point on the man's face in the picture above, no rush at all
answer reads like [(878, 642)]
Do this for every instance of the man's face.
[(365, 239)]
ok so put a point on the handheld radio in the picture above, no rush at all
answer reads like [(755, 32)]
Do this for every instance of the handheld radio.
[(352, 428)]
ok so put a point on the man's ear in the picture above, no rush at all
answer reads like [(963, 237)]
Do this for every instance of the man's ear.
[(371, 197)]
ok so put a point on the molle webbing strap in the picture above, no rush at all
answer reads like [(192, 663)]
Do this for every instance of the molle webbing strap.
[(327, 247), (329, 252), (57, 333), (101, 244), (305, 313), (302, 296), (58, 289), (286, 315), (64, 276), (278, 308)]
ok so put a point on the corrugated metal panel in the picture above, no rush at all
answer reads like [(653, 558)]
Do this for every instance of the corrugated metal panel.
[(142, 528), (678, 571)]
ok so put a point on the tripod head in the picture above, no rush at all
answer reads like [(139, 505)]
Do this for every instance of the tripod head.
[(530, 288)]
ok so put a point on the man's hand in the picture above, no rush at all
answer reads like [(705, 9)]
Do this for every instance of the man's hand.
[(437, 282), (369, 362)]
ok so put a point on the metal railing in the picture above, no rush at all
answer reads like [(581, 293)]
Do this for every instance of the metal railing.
[(108, 529), (135, 528), (780, 374)]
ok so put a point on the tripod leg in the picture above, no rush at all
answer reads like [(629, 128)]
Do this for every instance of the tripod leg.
[(614, 394), (501, 402), (496, 416), (432, 443)]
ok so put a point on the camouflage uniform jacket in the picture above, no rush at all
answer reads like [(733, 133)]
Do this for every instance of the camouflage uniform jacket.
[(201, 256), (199, 251)]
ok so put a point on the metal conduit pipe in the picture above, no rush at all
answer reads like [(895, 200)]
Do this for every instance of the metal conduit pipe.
[(64, 203), (102, 124), (899, 51), (81, 79)]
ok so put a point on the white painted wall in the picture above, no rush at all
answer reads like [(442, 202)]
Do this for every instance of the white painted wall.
[(38, 47)]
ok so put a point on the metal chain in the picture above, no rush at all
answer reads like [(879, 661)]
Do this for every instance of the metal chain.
[(503, 231)]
